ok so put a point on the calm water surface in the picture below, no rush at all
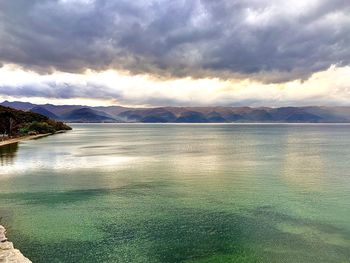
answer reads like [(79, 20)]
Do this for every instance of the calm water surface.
[(180, 193)]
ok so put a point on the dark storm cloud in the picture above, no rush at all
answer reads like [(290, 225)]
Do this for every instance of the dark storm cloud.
[(260, 39)]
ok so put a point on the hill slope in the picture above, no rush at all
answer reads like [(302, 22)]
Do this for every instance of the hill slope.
[(88, 115), (19, 122), (45, 112)]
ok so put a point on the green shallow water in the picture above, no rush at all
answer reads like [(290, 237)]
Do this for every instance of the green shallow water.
[(180, 193)]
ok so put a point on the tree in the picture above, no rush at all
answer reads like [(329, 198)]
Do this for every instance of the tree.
[(7, 123)]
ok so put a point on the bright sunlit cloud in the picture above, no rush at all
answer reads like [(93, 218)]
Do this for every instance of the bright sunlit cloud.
[(112, 87)]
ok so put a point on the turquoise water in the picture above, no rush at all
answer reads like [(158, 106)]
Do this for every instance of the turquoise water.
[(180, 193)]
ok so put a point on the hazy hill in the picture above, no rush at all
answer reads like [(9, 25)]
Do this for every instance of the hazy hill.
[(88, 115), (78, 113), (41, 110), (18, 105)]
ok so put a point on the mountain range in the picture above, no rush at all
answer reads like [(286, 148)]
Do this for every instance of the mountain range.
[(114, 114)]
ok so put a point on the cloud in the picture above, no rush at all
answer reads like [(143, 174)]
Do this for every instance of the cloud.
[(267, 40), (329, 87)]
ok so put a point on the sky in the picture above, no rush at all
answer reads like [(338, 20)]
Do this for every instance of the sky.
[(176, 52)]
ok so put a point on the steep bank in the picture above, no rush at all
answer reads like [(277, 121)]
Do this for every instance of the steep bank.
[(8, 254)]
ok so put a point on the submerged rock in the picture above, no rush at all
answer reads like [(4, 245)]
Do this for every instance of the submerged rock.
[(8, 254)]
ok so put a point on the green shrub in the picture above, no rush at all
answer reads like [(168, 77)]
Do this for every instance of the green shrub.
[(40, 127), (23, 131)]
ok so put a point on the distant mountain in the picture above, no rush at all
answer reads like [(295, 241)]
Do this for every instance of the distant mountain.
[(62, 110), (161, 115), (192, 117), (78, 113), (19, 105), (215, 117), (113, 110), (41, 110), (257, 115), (88, 115)]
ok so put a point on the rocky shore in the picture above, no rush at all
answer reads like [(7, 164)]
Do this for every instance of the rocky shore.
[(8, 254)]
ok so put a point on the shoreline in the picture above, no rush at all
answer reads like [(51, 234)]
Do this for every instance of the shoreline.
[(8, 253), (26, 138)]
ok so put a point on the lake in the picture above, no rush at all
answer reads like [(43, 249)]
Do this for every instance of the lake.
[(180, 193)]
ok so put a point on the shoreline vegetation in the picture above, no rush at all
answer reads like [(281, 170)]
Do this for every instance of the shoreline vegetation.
[(19, 125), (7, 251)]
